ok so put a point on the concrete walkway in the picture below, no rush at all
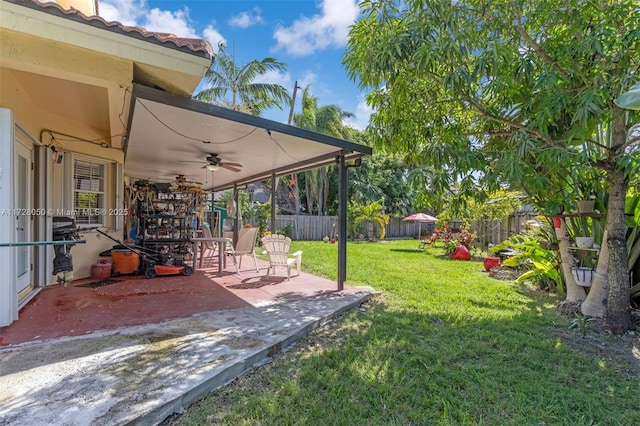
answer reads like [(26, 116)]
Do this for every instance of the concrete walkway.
[(143, 374)]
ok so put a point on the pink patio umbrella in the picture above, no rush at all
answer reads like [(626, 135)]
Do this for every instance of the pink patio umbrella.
[(420, 217)]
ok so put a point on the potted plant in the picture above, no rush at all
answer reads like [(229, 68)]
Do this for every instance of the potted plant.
[(587, 205), (583, 275), (586, 190), (584, 272)]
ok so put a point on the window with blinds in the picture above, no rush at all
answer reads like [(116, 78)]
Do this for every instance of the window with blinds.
[(88, 196)]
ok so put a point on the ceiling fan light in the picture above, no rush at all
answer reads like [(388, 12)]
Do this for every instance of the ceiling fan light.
[(212, 168)]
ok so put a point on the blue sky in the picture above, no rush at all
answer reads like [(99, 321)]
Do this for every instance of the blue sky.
[(309, 36)]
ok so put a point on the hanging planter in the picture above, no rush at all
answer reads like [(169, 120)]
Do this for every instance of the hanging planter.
[(583, 275), (557, 222)]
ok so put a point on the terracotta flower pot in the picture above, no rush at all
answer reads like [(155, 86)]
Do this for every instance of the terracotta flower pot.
[(490, 262)]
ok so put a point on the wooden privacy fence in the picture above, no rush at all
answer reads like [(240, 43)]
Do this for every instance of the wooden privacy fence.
[(496, 231), (487, 231)]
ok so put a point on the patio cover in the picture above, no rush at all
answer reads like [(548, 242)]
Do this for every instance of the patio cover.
[(171, 135)]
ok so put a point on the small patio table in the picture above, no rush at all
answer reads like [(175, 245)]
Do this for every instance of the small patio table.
[(222, 248)]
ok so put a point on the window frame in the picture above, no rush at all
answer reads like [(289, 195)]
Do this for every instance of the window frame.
[(96, 216)]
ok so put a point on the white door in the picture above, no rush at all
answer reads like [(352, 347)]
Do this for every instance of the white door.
[(23, 218)]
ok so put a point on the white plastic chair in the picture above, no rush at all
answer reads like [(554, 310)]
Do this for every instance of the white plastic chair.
[(277, 248)]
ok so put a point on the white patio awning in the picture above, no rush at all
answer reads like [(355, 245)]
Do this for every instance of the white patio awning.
[(171, 135)]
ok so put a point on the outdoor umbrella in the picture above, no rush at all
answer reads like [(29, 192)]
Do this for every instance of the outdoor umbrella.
[(420, 217)]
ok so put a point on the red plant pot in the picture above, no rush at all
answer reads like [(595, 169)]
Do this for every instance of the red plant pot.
[(557, 222), (490, 262)]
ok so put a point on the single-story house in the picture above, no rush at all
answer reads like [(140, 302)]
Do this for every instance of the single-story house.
[(88, 108)]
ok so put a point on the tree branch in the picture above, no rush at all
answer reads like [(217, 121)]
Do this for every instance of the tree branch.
[(535, 46), (512, 124)]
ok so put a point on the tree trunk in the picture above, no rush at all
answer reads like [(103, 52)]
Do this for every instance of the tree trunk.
[(325, 198), (295, 189), (307, 186), (618, 317), (596, 303), (575, 293), (321, 202)]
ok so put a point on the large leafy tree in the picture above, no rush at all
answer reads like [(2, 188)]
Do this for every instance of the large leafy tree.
[(234, 86), (383, 177), (509, 93)]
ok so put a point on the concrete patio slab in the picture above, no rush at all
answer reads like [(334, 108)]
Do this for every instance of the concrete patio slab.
[(141, 374)]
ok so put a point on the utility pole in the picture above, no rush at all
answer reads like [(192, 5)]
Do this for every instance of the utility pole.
[(294, 179), (293, 101)]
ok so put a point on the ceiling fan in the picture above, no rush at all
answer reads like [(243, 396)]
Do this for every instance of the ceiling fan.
[(182, 179), (214, 163)]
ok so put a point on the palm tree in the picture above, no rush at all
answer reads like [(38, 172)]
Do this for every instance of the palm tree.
[(233, 86), (372, 214), (326, 119)]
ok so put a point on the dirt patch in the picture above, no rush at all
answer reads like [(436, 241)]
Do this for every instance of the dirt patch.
[(591, 336)]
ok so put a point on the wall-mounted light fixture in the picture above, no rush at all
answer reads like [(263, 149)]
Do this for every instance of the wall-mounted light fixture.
[(56, 156)]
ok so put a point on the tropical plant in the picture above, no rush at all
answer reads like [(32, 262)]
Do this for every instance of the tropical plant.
[(261, 212), (512, 94), (328, 120), (581, 323), (372, 213), (541, 265), (234, 86), (287, 231)]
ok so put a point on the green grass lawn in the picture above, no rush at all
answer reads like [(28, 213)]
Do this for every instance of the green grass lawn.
[(443, 343)]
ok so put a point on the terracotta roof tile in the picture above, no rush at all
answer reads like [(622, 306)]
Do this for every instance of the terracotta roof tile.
[(195, 46)]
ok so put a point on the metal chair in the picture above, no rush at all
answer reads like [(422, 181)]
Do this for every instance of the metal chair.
[(277, 249), (207, 249), (246, 245)]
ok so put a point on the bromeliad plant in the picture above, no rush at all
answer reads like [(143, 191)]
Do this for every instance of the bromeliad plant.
[(541, 265)]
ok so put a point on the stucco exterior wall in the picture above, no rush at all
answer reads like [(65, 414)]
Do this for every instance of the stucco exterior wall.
[(50, 86)]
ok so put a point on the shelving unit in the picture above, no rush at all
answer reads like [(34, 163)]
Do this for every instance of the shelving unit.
[(583, 249), (579, 252)]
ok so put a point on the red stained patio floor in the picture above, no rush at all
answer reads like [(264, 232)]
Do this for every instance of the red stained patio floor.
[(58, 311)]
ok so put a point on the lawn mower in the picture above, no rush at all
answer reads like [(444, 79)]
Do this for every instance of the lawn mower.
[(153, 266)]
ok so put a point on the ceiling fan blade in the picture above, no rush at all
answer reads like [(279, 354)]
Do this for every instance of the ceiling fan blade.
[(226, 163), (228, 167)]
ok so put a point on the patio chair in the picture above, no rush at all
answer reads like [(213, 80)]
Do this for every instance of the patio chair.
[(246, 245), (277, 249), (207, 249)]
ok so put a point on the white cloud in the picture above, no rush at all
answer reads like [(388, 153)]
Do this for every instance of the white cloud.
[(177, 22), (328, 29), (127, 12), (214, 37), (362, 114), (247, 19), (308, 78), (138, 13), (275, 77)]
